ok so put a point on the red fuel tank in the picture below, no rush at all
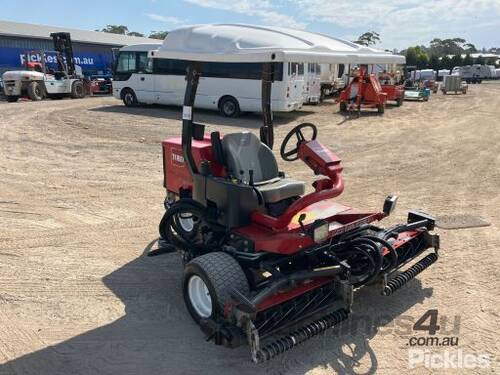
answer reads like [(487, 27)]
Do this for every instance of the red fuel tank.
[(176, 173)]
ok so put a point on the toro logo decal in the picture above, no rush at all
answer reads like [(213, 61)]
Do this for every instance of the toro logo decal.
[(177, 158)]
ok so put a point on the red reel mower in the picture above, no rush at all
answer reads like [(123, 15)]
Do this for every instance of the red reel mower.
[(261, 256)]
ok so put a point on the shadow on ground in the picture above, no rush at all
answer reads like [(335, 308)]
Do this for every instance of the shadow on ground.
[(248, 119), (157, 336)]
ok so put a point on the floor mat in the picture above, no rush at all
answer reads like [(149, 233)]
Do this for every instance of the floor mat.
[(460, 221)]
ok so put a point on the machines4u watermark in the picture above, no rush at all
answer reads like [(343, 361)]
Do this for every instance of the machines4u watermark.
[(438, 347)]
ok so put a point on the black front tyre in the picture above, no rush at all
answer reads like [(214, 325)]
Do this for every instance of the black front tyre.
[(208, 281), (77, 90), (129, 98), (381, 108), (229, 107), (36, 91)]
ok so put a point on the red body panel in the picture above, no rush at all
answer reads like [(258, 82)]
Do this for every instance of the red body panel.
[(369, 94), (176, 173), (291, 240), (394, 92), (283, 296)]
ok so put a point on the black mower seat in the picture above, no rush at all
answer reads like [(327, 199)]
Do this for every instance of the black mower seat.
[(244, 152)]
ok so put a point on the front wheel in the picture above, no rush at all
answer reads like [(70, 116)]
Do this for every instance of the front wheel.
[(343, 107), (399, 102), (208, 281), (129, 98), (381, 108), (77, 90), (36, 91), (229, 107)]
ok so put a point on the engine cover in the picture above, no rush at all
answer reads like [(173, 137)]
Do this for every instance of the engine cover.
[(176, 173)]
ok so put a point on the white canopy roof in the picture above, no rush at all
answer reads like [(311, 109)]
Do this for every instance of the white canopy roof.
[(249, 43)]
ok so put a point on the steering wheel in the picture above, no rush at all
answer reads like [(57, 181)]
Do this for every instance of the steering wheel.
[(293, 154)]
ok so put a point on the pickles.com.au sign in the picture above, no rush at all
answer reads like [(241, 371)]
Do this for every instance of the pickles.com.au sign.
[(15, 57)]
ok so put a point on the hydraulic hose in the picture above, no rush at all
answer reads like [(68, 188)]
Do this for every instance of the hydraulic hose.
[(171, 230)]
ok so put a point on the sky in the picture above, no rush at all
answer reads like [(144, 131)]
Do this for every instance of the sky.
[(400, 23)]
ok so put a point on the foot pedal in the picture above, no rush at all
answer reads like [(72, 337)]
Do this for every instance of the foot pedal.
[(163, 248), (404, 277)]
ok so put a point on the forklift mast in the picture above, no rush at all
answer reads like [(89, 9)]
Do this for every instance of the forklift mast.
[(62, 45)]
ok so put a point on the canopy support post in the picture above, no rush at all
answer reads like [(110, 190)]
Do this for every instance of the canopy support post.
[(266, 130), (192, 78)]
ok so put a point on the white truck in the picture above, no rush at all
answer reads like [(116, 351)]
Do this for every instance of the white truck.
[(40, 80), (331, 78), (475, 73)]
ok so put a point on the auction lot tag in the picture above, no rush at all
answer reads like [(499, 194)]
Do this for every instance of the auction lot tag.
[(187, 113)]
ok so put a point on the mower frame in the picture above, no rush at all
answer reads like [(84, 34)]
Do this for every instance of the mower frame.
[(291, 272)]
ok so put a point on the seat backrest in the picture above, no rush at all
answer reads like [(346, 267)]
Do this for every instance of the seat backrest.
[(243, 152)]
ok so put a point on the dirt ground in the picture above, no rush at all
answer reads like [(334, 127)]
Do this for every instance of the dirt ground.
[(81, 197)]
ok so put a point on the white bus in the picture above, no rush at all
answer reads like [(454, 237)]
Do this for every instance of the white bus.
[(230, 88)]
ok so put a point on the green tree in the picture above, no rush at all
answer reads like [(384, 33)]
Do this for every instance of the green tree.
[(450, 46), (434, 62), (115, 29), (135, 33), (411, 56), (158, 34), (470, 48), (369, 38), (417, 56), (456, 60), (468, 60), (445, 63)]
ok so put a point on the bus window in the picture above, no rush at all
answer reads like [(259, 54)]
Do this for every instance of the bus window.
[(144, 64), (300, 69), (341, 70), (126, 62)]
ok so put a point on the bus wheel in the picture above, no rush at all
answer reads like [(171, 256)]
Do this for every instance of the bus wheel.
[(129, 98), (229, 107)]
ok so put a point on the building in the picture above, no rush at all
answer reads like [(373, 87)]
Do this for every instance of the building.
[(93, 50)]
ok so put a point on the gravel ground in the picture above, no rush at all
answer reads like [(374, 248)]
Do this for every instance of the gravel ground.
[(81, 197)]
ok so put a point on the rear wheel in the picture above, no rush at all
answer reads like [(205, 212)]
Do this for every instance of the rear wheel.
[(343, 107), (208, 281), (399, 102), (12, 98), (129, 98), (381, 108), (77, 90), (229, 107), (36, 91)]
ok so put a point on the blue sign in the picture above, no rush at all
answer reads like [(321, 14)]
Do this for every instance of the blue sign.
[(90, 62)]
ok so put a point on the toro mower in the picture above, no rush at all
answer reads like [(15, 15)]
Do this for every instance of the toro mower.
[(364, 91), (265, 263)]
